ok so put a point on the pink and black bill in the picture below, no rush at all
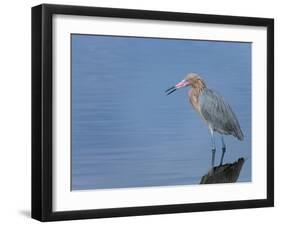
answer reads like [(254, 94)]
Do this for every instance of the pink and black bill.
[(181, 84)]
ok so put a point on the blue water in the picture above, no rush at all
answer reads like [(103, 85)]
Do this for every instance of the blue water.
[(127, 133)]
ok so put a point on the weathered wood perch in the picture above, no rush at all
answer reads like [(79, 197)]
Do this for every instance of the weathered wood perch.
[(227, 173)]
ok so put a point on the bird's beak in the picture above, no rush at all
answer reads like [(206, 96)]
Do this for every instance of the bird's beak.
[(170, 90), (181, 84)]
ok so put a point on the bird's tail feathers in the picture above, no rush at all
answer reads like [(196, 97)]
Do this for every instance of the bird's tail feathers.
[(239, 134)]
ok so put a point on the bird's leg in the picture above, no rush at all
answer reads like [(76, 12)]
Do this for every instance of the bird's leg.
[(213, 147), (223, 149), (213, 157)]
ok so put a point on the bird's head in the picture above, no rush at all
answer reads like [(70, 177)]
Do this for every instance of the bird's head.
[(191, 79)]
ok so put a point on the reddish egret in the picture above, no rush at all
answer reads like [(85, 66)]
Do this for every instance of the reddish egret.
[(212, 108)]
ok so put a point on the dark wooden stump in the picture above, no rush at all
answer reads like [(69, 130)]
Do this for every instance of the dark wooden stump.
[(227, 173)]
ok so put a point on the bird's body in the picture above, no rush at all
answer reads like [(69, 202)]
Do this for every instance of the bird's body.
[(218, 114), (211, 106)]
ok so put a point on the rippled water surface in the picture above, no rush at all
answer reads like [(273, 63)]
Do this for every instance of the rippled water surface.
[(127, 133)]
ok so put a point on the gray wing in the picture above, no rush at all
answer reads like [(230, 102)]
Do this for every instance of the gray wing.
[(219, 114)]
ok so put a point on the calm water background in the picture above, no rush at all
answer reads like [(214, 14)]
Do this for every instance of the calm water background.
[(127, 133)]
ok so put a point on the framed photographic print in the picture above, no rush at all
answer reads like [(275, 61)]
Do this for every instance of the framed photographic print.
[(145, 112)]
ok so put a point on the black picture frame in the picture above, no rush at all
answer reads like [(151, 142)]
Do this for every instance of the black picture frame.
[(42, 111)]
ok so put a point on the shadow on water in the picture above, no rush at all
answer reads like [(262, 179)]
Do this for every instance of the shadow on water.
[(226, 173), (25, 213)]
